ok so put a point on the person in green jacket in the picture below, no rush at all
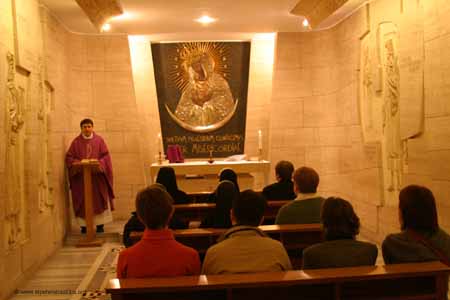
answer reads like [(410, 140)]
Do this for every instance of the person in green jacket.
[(306, 207)]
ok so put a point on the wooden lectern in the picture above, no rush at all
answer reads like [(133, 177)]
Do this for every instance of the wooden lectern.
[(88, 166)]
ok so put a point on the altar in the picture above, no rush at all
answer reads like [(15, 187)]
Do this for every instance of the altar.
[(192, 168)]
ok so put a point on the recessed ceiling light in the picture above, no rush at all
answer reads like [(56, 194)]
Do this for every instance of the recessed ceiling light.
[(305, 22), (106, 27), (205, 19)]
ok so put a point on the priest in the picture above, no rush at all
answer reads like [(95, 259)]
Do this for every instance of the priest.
[(89, 145)]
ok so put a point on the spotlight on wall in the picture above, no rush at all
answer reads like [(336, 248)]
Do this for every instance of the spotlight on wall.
[(305, 23), (106, 27)]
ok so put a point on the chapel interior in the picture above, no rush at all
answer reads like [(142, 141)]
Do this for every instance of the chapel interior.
[(317, 91)]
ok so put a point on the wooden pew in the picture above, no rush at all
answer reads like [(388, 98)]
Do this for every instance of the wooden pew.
[(295, 238), (400, 282), (199, 197), (193, 211), (198, 211)]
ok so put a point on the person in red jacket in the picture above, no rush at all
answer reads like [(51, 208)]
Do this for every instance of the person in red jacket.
[(157, 254)]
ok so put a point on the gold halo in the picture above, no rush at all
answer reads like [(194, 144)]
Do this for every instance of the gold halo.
[(219, 52), (203, 129)]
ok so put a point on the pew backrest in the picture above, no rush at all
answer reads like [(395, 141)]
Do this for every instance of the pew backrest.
[(198, 197), (403, 281), (293, 236), (199, 211)]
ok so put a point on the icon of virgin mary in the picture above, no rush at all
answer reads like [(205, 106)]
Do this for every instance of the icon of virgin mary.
[(206, 102)]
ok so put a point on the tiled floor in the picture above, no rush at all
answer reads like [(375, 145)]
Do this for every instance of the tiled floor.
[(76, 273)]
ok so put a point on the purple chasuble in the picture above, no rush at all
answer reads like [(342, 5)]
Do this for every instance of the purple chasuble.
[(102, 183)]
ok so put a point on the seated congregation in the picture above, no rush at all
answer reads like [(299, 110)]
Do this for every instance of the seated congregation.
[(245, 247)]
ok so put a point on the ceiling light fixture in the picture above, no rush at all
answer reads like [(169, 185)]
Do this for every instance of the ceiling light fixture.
[(205, 20)]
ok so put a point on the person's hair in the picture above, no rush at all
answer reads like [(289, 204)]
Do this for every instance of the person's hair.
[(166, 177), (284, 169), (154, 207), (306, 179), (339, 219), (226, 193), (229, 174), (86, 121), (158, 185), (418, 209), (249, 207)]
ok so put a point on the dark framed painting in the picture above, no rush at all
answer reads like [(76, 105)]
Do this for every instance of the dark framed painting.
[(202, 96)]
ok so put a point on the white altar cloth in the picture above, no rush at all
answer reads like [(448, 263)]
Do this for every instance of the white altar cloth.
[(204, 168)]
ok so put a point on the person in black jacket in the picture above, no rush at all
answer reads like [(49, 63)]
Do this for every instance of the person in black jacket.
[(421, 238), (340, 248), (226, 192), (229, 174), (225, 174), (166, 177), (283, 189), (133, 224)]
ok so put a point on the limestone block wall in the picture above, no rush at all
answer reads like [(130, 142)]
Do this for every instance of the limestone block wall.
[(258, 99), (146, 100), (316, 112), (33, 87), (259, 91), (100, 86), (429, 154), (315, 118)]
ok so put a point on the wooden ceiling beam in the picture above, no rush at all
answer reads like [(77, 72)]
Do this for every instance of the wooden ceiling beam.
[(100, 11), (316, 11)]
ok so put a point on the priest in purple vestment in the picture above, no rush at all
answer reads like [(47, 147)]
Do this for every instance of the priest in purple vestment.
[(89, 145)]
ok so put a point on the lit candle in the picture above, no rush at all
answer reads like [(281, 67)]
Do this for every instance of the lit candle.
[(160, 144), (259, 140)]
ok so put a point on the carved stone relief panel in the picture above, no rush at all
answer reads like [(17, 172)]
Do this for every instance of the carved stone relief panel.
[(391, 93), (387, 37), (45, 189), (370, 84), (26, 40), (379, 101), (15, 212)]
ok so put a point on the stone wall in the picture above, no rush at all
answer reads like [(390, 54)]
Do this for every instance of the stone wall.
[(100, 86), (319, 115), (429, 154), (315, 118), (33, 81)]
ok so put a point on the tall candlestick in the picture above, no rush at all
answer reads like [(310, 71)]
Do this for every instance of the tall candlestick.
[(259, 139), (160, 144)]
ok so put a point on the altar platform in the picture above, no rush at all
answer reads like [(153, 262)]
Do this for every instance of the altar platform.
[(195, 176)]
